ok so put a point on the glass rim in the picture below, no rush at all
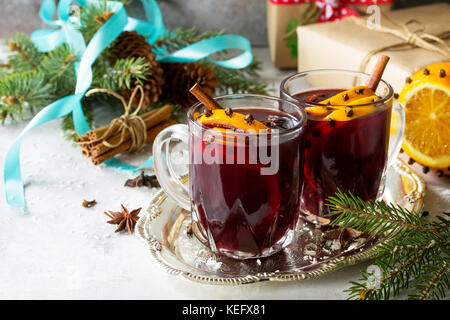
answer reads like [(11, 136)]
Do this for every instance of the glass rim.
[(387, 97), (299, 126)]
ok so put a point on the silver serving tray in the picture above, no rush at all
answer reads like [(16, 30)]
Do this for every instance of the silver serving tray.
[(164, 228)]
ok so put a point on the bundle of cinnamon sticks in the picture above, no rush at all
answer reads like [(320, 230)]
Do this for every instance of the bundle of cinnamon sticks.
[(101, 148)]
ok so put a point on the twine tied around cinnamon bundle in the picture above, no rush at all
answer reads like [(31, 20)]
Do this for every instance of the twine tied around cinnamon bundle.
[(130, 123), (413, 38)]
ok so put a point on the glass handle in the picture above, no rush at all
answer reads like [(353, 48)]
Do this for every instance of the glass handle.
[(171, 182), (397, 130)]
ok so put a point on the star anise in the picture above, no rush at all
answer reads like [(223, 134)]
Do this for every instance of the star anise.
[(274, 121), (124, 219), (143, 180)]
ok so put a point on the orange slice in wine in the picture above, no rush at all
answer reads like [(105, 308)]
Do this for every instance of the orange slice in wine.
[(234, 121)]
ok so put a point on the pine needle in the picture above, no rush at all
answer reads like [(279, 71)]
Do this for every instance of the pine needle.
[(414, 249)]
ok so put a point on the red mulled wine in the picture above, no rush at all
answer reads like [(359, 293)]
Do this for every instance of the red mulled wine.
[(350, 155), (242, 211)]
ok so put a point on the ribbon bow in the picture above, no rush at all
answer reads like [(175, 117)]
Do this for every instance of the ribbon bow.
[(127, 123), (334, 10), (64, 30)]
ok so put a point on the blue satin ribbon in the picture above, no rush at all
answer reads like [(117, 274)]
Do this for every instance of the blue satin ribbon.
[(66, 32)]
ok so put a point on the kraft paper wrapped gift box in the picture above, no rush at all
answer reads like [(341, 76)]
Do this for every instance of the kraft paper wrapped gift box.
[(345, 44), (281, 12)]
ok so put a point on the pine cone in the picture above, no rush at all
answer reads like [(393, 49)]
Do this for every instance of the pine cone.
[(182, 76), (131, 44)]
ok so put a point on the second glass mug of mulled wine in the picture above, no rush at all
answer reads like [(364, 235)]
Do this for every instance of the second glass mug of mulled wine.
[(244, 186), (348, 144)]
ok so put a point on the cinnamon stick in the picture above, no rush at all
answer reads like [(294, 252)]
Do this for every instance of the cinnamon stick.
[(377, 73), (86, 153), (204, 98), (150, 118), (157, 117), (83, 138), (99, 132), (151, 135)]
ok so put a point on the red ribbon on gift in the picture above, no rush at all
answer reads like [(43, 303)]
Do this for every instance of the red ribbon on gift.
[(334, 9)]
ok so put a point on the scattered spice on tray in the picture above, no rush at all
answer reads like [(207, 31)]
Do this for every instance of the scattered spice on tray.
[(189, 229), (143, 180), (89, 204), (344, 237)]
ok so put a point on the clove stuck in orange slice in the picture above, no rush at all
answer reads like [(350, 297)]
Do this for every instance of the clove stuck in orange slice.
[(230, 120), (334, 106)]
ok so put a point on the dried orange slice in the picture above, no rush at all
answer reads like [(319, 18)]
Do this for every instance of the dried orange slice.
[(348, 114), (317, 111), (349, 96), (234, 120), (426, 97), (356, 96)]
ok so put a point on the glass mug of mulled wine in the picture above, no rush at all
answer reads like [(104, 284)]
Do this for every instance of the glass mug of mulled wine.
[(348, 144), (244, 172)]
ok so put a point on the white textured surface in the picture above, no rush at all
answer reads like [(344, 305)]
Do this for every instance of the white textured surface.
[(62, 250)]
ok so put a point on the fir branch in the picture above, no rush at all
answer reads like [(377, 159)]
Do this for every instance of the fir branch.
[(122, 74), (309, 16), (92, 18), (229, 80), (238, 81), (24, 92), (26, 57), (414, 249), (3, 72), (58, 67), (174, 40), (374, 217), (128, 69), (436, 282), (393, 281)]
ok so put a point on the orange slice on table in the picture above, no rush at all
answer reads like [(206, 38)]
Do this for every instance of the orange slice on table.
[(426, 97)]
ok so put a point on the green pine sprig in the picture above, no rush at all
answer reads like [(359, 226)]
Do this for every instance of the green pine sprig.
[(375, 217), (58, 67), (434, 282), (32, 80), (93, 17), (309, 16), (175, 40), (23, 93), (236, 81), (25, 57), (413, 256), (120, 76)]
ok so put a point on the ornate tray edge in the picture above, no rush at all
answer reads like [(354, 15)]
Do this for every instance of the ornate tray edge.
[(415, 198)]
